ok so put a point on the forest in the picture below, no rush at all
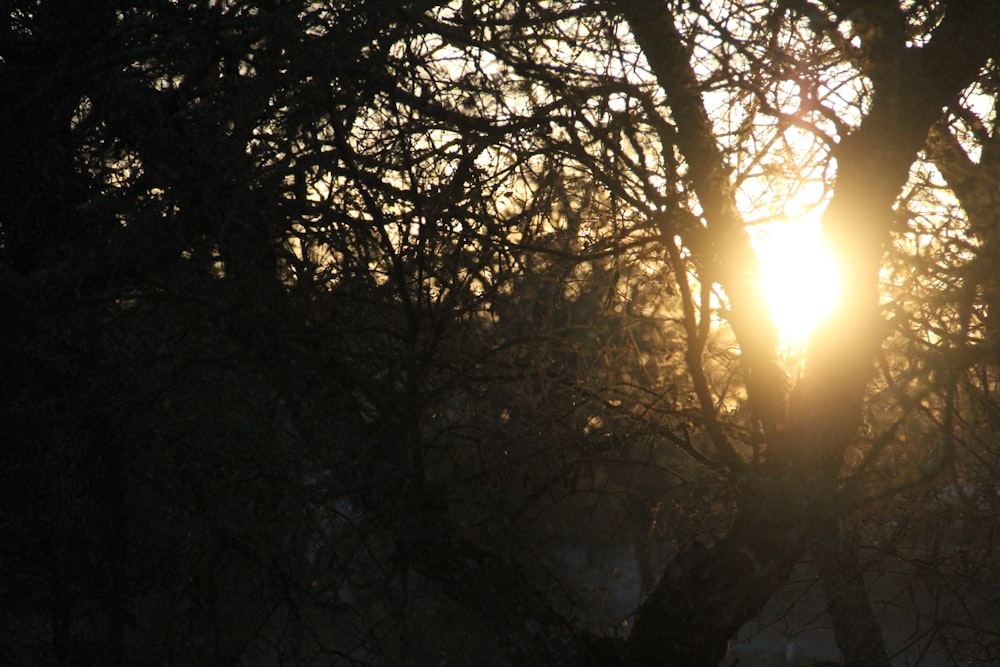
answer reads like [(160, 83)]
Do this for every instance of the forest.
[(426, 333)]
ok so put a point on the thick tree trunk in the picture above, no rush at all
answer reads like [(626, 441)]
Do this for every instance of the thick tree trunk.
[(855, 626), (707, 593)]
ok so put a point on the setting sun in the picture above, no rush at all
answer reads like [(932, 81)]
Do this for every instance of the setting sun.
[(799, 275)]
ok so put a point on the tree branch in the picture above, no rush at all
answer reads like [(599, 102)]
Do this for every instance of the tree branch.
[(729, 252)]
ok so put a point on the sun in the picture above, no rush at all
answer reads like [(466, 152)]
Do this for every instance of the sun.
[(799, 276)]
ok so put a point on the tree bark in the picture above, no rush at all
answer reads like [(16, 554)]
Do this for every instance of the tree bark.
[(707, 593), (855, 625)]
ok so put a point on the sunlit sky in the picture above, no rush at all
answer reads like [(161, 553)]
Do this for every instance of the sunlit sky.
[(799, 276)]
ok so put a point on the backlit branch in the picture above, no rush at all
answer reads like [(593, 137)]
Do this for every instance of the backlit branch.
[(729, 253)]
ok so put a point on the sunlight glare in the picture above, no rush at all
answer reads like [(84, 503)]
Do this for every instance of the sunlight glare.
[(799, 276)]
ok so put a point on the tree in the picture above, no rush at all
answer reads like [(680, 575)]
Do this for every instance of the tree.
[(371, 332)]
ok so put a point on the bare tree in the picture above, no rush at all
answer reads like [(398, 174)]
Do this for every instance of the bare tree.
[(366, 332)]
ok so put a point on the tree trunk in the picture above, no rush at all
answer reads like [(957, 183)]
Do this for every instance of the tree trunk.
[(707, 593), (854, 624)]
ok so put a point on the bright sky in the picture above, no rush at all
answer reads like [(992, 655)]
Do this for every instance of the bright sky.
[(799, 275)]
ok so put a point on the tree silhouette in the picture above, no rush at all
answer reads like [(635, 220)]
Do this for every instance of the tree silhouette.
[(421, 333)]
